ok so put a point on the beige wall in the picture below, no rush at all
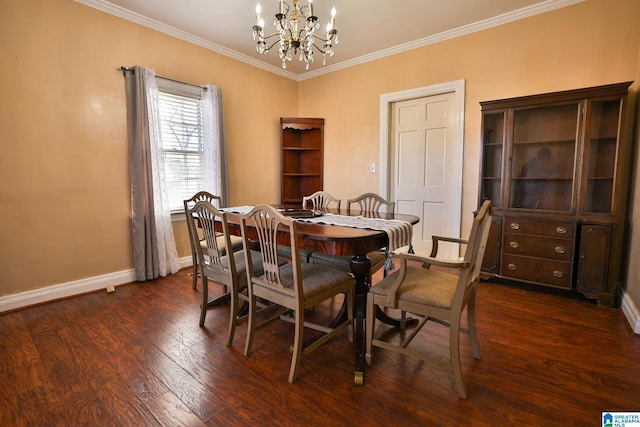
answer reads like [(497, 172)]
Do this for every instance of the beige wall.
[(588, 44), (64, 180), (64, 200)]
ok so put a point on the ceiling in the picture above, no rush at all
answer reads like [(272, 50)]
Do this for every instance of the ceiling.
[(368, 29)]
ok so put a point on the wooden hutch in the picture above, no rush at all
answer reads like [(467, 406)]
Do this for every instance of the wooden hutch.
[(302, 141), (556, 167)]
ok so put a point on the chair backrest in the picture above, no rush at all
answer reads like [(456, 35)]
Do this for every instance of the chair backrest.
[(370, 203), (268, 227), (477, 243), (212, 258), (203, 196), (320, 200), (200, 196)]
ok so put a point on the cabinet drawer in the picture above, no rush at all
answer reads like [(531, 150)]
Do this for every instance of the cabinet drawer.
[(549, 272), (541, 247), (539, 228)]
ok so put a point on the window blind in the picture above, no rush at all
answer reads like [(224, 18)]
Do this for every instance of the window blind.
[(183, 146)]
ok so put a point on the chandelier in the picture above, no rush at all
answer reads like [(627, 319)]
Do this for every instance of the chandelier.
[(295, 33)]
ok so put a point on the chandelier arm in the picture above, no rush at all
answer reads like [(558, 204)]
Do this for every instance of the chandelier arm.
[(272, 45), (321, 38), (319, 49), (271, 35)]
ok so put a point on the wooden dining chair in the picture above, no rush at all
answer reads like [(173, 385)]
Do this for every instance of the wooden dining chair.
[(217, 265), (296, 286), (369, 205), (320, 200), (236, 241), (432, 294)]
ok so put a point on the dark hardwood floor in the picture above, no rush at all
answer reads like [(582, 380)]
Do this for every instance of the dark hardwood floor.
[(137, 357)]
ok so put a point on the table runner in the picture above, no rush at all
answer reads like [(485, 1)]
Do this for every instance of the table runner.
[(242, 210), (399, 232)]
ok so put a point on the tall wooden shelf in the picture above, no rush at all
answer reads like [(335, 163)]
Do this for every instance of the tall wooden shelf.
[(556, 167), (302, 142)]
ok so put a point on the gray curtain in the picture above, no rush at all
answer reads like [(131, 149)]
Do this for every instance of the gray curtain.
[(154, 252), (215, 143)]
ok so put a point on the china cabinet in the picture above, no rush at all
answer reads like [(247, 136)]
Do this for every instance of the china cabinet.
[(556, 167), (302, 141)]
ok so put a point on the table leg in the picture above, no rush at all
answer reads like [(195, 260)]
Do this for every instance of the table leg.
[(361, 269)]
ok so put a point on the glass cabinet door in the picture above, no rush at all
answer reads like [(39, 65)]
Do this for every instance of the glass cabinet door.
[(543, 158), (492, 149), (601, 152)]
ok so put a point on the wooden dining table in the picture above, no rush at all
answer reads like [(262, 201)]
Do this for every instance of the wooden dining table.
[(344, 241)]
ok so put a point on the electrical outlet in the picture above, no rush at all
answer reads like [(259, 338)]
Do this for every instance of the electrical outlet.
[(372, 169), (111, 289)]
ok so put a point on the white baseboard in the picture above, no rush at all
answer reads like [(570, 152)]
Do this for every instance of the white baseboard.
[(630, 312), (69, 289)]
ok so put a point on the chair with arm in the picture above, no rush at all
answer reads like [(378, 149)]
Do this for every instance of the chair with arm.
[(434, 254), (217, 265), (236, 241), (296, 286), (370, 205), (433, 294), (435, 245), (320, 200)]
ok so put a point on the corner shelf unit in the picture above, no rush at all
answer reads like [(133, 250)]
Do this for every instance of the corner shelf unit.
[(302, 142)]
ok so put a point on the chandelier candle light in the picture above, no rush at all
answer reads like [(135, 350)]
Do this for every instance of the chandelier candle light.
[(296, 31)]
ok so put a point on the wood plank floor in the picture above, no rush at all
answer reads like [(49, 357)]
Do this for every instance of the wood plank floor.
[(137, 357)]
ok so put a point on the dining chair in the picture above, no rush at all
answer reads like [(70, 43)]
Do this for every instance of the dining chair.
[(295, 286), (369, 205), (236, 241), (217, 265), (432, 294), (320, 200)]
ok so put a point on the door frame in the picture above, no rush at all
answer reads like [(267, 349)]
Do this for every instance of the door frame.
[(386, 180)]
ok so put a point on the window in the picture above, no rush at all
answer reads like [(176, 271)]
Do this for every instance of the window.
[(182, 130)]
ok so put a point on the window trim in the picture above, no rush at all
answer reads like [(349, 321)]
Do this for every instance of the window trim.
[(187, 90)]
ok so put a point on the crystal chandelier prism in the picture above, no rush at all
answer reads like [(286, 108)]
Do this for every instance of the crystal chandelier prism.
[(296, 34)]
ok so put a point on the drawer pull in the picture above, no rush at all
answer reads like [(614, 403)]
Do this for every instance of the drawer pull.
[(559, 250), (561, 230), (514, 245), (558, 274), (514, 225), (512, 267)]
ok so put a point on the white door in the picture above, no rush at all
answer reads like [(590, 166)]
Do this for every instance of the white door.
[(424, 176)]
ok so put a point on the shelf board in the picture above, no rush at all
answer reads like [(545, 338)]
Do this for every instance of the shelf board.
[(546, 141), (542, 179)]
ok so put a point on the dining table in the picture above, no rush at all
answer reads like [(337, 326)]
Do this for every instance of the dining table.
[(318, 232)]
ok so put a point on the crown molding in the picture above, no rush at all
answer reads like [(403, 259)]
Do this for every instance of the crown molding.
[(137, 18), (505, 18), (495, 21)]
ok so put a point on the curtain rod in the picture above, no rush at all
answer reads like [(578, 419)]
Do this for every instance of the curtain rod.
[(125, 69)]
